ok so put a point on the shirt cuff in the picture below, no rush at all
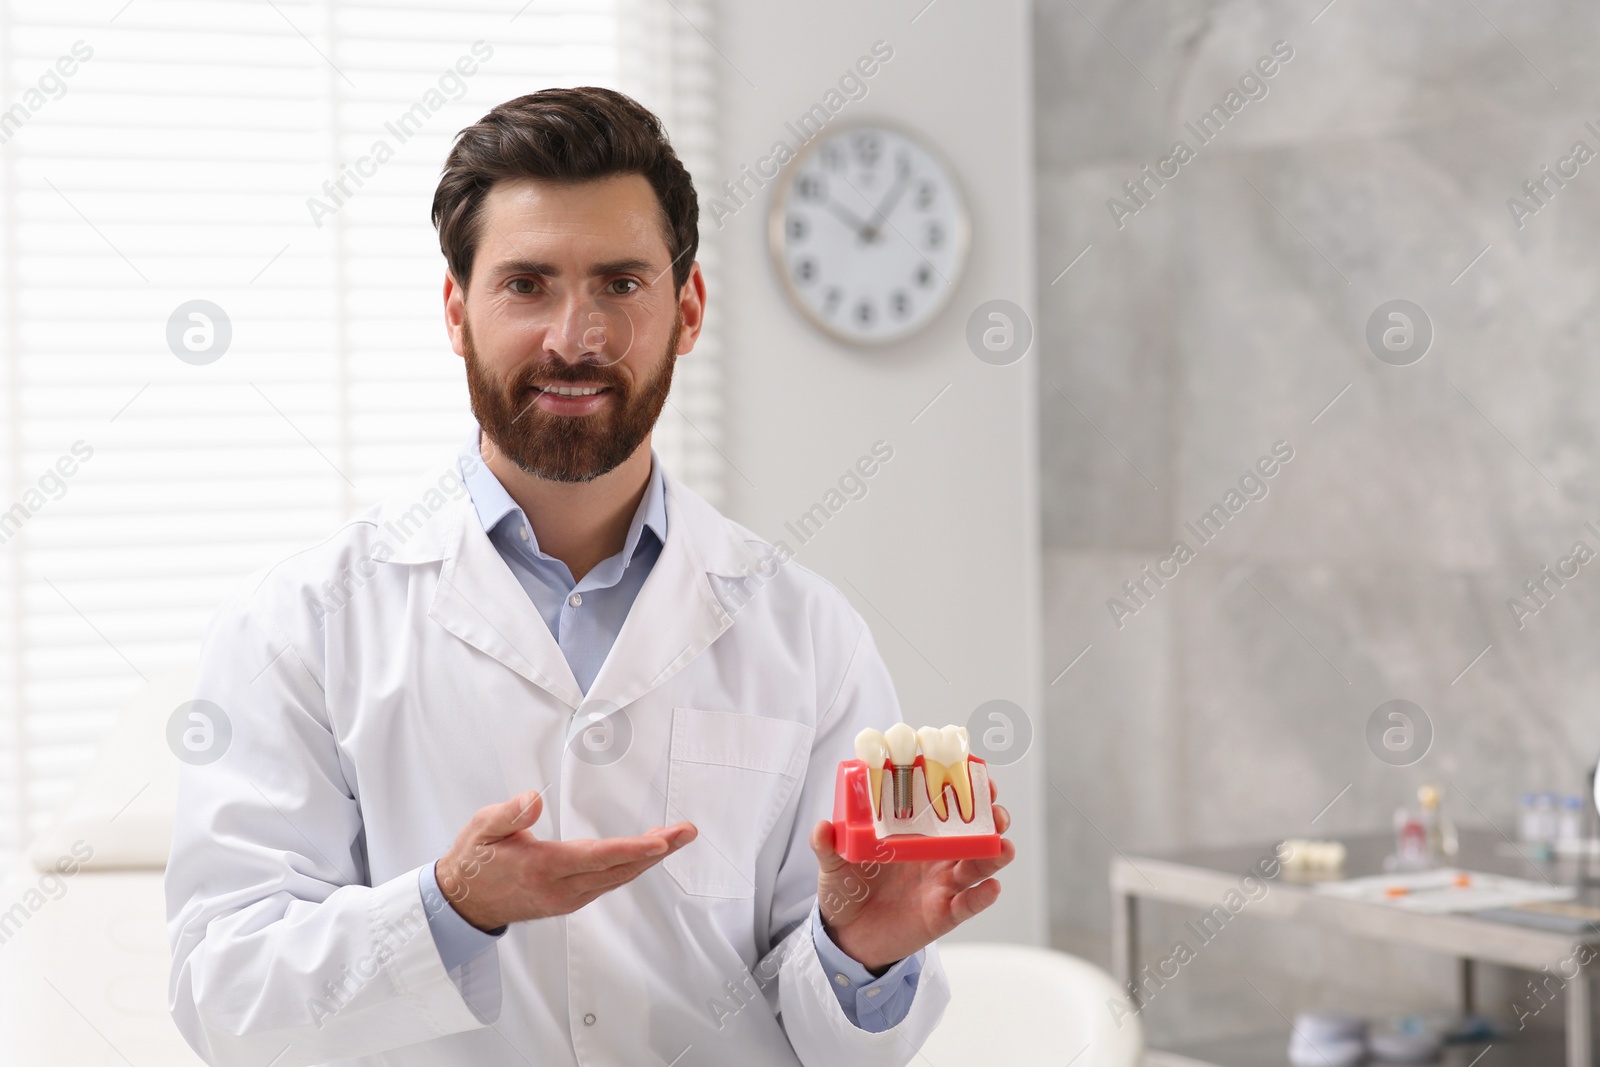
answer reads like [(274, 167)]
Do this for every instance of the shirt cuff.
[(871, 1004), (458, 941)]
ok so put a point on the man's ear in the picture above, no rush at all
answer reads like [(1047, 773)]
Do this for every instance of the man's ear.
[(455, 310), (692, 306)]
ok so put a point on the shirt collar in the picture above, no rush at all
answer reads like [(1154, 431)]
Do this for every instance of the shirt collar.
[(496, 509)]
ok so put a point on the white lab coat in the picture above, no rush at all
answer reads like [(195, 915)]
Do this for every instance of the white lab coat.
[(432, 688)]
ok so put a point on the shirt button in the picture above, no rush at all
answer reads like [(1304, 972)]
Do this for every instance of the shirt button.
[(873, 992), (575, 599), (588, 1019), (523, 530), (841, 979)]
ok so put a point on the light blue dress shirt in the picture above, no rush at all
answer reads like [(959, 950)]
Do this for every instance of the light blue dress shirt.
[(585, 618)]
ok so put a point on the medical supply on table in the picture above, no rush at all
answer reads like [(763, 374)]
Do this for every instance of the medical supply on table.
[(1569, 824), (1443, 890), (893, 804), (1410, 842), (1335, 1039), (1304, 855), (1527, 817), (1327, 1039), (1549, 824), (1443, 843), (1408, 1039), (1423, 836), (1536, 824)]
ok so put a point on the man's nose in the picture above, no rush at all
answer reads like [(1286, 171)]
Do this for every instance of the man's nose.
[(579, 329)]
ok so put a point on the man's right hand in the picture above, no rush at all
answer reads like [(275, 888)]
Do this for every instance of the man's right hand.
[(497, 872)]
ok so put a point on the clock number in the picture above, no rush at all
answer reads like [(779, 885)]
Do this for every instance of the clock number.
[(865, 313), (805, 269), (924, 198), (935, 235), (831, 301), (869, 146), (811, 187), (925, 275), (797, 228), (900, 303)]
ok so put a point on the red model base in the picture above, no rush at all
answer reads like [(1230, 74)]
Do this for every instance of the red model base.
[(856, 839)]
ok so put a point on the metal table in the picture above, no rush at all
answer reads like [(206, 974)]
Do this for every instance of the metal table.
[(1204, 877)]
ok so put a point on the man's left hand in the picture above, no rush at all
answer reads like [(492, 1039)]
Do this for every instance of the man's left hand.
[(879, 913)]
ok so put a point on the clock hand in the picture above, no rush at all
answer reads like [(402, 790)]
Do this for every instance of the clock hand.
[(849, 219), (882, 211)]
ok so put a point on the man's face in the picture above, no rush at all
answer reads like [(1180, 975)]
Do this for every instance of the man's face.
[(571, 324)]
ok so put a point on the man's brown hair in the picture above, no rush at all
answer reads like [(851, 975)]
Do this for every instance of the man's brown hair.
[(563, 135)]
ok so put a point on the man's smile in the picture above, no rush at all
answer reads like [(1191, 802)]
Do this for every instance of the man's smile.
[(565, 398), (571, 390)]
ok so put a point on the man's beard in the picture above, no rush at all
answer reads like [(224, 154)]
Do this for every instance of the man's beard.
[(567, 448)]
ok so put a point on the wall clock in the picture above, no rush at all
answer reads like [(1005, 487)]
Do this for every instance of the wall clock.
[(869, 233)]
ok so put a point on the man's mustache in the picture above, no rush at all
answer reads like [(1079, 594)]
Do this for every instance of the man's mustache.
[(563, 371)]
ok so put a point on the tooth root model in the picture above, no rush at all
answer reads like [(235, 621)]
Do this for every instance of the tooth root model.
[(944, 761), (936, 769), (955, 740), (873, 750), (917, 820)]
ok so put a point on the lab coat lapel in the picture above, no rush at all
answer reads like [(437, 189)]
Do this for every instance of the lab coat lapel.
[(480, 601), (675, 617), (677, 613)]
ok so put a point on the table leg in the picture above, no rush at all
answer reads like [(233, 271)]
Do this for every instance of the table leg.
[(1579, 1033), (1467, 977), (1124, 937)]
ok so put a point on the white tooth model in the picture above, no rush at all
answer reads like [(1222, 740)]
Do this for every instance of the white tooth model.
[(872, 748), (907, 814)]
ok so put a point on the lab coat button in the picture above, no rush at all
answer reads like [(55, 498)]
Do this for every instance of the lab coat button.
[(575, 599), (588, 1019)]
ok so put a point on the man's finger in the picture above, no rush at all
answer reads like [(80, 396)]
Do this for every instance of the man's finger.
[(611, 877), (828, 858), (1002, 819), (597, 882), (593, 856), (968, 872), (688, 831), (511, 816), (969, 902)]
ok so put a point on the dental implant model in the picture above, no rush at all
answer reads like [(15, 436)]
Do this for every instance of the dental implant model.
[(908, 813), (902, 745)]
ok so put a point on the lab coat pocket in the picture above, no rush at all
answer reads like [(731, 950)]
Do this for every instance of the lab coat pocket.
[(730, 774)]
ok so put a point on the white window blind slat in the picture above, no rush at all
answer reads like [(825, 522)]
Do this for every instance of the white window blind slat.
[(177, 166)]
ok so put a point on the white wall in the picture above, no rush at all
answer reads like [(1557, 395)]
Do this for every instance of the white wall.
[(941, 556)]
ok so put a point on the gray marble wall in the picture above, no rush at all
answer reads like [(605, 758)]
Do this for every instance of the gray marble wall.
[(1229, 312)]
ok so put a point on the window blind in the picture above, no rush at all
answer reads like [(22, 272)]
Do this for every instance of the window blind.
[(162, 152)]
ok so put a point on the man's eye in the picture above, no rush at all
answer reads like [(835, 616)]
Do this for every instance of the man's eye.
[(523, 281), (631, 284)]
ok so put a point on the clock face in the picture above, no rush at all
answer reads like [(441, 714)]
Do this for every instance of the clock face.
[(869, 233)]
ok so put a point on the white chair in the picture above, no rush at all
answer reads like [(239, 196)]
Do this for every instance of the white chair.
[(1018, 1005), (83, 965)]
